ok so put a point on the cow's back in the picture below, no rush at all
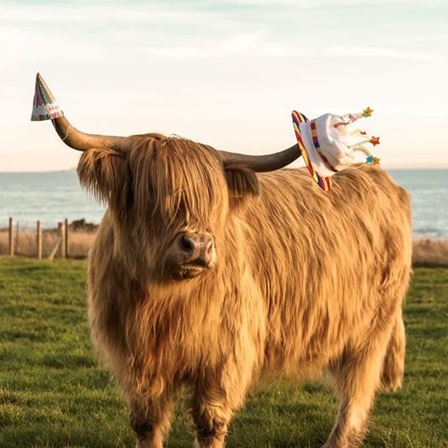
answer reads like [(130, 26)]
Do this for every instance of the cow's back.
[(328, 263)]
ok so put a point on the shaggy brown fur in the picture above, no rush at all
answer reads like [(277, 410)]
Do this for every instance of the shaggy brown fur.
[(304, 281)]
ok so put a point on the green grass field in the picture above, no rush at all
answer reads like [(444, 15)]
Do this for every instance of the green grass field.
[(53, 394)]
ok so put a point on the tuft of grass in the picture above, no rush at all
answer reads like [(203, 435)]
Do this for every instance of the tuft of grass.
[(53, 394)]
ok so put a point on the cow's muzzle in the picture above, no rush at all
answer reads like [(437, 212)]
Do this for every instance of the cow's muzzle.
[(191, 254)]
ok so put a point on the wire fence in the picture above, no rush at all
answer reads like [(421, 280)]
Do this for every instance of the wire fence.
[(65, 241)]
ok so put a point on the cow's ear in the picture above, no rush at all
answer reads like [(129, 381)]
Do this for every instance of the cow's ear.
[(242, 183), (103, 173)]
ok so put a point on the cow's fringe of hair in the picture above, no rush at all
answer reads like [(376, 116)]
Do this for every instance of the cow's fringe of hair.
[(167, 171), (176, 173)]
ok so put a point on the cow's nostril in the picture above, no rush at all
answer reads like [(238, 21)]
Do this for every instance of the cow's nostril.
[(187, 243)]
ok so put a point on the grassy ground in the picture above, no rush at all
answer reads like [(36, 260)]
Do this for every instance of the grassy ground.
[(52, 394)]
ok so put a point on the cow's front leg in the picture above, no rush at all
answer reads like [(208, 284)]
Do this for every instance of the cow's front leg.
[(211, 414), (150, 420), (211, 427), (215, 399)]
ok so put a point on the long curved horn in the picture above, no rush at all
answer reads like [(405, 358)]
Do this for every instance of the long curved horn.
[(268, 162), (81, 141), (45, 107)]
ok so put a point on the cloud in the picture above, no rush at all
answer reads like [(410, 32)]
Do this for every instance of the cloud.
[(350, 51)]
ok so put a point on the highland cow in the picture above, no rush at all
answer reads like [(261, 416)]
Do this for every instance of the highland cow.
[(211, 268)]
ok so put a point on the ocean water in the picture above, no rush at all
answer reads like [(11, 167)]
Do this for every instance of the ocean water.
[(54, 196), (49, 197), (429, 198)]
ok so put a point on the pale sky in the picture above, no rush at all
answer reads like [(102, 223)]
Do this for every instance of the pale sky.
[(225, 72)]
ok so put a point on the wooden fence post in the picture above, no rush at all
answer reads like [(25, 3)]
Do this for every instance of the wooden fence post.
[(11, 237), (39, 240), (61, 233), (66, 238)]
